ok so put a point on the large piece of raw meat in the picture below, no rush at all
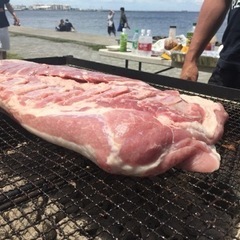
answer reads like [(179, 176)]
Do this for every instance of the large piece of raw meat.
[(123, 125)]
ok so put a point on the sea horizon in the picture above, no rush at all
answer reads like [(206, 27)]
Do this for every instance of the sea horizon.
[(105, 10), (66, 7), (83, 21)]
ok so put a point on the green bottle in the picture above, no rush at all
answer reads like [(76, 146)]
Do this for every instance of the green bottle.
[(135, 41), (123, 40), (190, 33)]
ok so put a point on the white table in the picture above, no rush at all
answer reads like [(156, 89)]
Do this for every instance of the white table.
[(129, 56)]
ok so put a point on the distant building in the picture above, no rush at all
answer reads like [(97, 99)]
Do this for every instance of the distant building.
[(20, 7), (60, 7), (57, 7), (39, 7), (49, 7)]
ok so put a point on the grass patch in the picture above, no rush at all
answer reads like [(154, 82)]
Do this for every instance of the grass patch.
[(97, 47), (94, 47), (13, 56)]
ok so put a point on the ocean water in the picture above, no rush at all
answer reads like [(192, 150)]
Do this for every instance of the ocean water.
[(95, 22)]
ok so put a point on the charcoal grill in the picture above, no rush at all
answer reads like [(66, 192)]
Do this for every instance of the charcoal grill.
[(48, 192)]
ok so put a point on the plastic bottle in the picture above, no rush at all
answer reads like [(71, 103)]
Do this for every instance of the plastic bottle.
[(135, 41), (190, 33), (141, 42), (148, 41), (123, 40)]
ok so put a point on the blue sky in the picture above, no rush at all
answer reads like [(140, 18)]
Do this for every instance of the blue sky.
[(158, 5)]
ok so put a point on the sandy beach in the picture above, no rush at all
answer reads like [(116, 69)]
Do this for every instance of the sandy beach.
[(36, 43)]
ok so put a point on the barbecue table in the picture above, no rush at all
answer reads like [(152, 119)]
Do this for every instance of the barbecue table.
[(49, 192), (130, 56)]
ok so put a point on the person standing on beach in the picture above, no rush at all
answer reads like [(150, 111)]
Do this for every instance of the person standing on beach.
[(110, 23), (4, 24), (123, 20), (211, 17)]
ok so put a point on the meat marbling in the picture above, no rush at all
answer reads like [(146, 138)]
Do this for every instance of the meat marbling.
[(123, 125)]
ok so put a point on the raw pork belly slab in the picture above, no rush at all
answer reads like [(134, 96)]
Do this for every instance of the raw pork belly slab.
[(123, 125)]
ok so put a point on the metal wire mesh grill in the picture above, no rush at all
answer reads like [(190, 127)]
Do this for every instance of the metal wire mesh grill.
[(48, 192)]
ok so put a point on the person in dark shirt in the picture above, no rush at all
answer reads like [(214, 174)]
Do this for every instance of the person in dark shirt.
[(4, 24), (62, 26), (69, 26), (123, 23), (211, 17)]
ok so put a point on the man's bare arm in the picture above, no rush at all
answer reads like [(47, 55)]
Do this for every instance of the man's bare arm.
[(211, 17), (11, 10)]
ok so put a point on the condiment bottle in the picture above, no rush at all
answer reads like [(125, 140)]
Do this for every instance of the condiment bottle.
[(172, 32), (213, 42), (211, 45)]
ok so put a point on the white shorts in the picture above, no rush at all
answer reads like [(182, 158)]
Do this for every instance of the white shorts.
[(4, 39)]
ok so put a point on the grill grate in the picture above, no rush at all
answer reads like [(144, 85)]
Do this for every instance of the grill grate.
[(48, 192)]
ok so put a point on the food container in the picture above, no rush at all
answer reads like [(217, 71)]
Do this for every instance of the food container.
[(207, 59)]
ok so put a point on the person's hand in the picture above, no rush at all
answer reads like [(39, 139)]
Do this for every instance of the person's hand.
[(16, 21), (126, 25), (189, 72)]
